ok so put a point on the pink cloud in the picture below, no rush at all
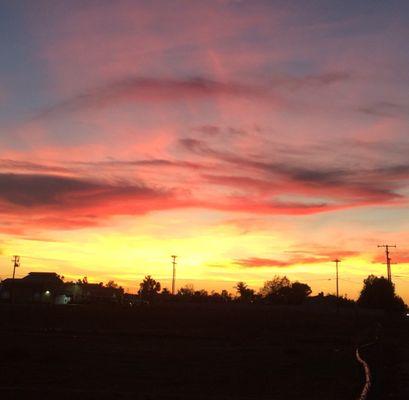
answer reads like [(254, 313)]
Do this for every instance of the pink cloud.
[(123, 107), (299, 257), (397, 256)]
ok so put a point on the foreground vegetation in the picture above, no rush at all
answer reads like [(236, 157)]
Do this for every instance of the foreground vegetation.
[(184, 350)]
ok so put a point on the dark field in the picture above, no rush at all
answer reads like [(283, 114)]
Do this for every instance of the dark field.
[(197, 352)]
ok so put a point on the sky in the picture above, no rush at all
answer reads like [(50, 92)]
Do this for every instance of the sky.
[(249, 138)]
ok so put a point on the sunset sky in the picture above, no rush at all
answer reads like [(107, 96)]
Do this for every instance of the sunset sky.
[(250, 138)]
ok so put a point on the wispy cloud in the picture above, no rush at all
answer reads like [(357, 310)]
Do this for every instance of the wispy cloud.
[(150, 90), (297, 258), (27, 166), (215, 130), (353, 186), (313, 81), (144, 90), (398, 257), (256, 262), (35, 200), (153, 163), (384, 109)]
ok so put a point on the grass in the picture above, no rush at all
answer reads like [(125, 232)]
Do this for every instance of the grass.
[(181, 351)]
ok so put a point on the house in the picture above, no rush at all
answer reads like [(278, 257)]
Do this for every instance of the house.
[(36, 287), (95, 293), (49, 288)]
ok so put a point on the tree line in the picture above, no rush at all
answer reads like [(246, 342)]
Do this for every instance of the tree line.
[(376, 293)]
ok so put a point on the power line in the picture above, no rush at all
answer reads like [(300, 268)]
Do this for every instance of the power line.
[(320, 279), (44, 258), (403, 279), (348, 280)]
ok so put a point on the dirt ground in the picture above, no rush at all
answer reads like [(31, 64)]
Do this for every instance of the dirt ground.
[(199, 352)]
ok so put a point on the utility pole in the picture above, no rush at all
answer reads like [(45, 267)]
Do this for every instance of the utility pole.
[(388, 259), (337, 261), (174, 274), (16, 264)]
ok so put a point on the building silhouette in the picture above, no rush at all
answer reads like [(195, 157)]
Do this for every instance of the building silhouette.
[(49, 288)]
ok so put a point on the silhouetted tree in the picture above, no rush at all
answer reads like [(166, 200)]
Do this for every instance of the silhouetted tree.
[(82, 281), (332, 300), (275, 286), (223, 297), (378, 292), (274, 291), (165, 295), (148, 288), (186, 293), (112, 284), (240, 287), (280, 290), (298, 293), (200, 296), (245, 294)]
